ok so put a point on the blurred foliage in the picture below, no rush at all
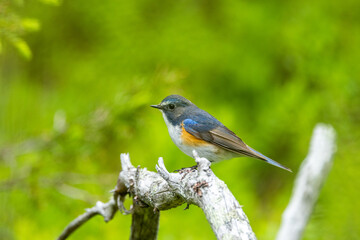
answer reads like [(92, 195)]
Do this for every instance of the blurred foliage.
[(13, 27), (268, 70)]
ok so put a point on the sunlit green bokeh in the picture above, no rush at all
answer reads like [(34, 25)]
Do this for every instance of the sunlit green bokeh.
[(75, 93)]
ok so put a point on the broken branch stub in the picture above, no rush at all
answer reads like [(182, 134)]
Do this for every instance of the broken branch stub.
[(164, 190)]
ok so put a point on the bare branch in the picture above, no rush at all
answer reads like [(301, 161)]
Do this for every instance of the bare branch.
[(202, 188), (148, 187), (309, 181), (145, 222), (107, 210), (153, 192)]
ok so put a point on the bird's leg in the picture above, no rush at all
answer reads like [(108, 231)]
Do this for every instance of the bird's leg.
[(187, 206)]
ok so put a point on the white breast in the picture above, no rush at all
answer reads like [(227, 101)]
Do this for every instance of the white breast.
[(174, 131)]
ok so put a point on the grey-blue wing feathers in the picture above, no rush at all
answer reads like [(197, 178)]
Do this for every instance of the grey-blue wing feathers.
[(216, 133)]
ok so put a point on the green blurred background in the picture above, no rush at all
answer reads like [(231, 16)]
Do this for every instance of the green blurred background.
[(77, 78)]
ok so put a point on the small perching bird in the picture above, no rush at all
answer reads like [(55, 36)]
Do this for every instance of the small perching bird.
[(192, 128)]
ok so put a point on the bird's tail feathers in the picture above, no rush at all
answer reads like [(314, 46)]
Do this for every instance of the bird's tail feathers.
[(261, 156)]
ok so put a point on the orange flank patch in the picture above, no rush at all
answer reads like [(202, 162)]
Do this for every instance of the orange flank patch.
[(189, 139)]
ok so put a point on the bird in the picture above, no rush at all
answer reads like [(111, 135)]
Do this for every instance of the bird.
[(192, 128)]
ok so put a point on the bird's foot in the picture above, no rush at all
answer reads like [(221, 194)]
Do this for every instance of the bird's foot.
[(187, 169)]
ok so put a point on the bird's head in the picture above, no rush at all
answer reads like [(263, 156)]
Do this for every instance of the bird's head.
[(173, 107)]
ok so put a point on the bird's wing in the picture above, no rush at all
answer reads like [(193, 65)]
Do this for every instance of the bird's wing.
[(218, 135), (224, 138)]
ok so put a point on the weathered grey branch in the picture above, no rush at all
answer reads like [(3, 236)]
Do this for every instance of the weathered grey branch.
[(153, 192), (145, 222), (149, 187), (309, 181), (199, 187), (107, 210), (202, 188)]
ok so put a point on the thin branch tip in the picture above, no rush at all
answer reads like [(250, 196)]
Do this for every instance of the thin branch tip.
[(125, 161), (195, 154), (203, 163), (107, 210), (161, 169)]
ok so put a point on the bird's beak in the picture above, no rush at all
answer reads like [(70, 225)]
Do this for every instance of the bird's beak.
[(156, 106)]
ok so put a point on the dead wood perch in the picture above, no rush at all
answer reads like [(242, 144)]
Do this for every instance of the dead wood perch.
[(164, 190), (153, 192)]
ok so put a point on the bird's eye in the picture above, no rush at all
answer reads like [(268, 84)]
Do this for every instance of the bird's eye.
[(171, 106)]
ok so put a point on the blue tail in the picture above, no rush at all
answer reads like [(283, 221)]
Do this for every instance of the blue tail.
[(268, 160)]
